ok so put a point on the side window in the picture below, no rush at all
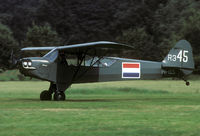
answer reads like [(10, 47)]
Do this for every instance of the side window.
[(72, 60), (91, 61), (105, 62)]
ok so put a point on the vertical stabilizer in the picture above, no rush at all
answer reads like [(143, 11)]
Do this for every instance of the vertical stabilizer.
[(180, 57)]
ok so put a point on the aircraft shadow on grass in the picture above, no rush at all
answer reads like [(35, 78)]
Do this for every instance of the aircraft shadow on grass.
[(164, 99)]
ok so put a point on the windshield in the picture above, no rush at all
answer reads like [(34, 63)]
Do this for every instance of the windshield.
[(52, 55)]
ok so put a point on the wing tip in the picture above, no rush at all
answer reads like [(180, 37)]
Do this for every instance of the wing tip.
[(37, 48)]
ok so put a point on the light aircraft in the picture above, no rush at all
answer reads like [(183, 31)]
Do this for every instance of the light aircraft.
[(85, 63)]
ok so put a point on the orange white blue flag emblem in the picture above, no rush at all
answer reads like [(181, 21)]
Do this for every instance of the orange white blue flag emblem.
[(130, 70)]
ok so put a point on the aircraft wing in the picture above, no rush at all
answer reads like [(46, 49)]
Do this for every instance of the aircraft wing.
[(100, 48), (100, 45), (83, 46)]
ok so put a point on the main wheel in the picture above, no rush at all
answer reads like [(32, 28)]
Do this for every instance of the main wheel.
[(59, 96), (45, 96)]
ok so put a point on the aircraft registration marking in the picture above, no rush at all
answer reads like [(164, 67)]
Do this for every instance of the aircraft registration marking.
[(182, 56), (131, 70)]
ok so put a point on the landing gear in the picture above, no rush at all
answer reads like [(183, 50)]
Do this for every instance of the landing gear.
[(178, 73), (187, 83), (59, 96), (46, 95)]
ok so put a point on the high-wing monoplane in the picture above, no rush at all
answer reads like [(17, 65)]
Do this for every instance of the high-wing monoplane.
[(93, 62)]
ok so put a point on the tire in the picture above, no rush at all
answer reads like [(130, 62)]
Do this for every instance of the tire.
[(187, 83), (45, 96), (59, 96)]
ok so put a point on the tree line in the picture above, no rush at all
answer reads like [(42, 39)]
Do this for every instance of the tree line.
[(152, 27)]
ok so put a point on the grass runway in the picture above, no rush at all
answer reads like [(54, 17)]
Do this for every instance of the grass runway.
[(137, 108)]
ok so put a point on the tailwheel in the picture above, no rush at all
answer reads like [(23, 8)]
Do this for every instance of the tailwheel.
[(45, 95), (59, 96), (187, 83)]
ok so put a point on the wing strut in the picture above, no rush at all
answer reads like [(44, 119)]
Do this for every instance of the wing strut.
[(81, 58)]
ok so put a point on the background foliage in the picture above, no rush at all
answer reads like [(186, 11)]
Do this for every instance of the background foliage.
[(7, 43), (151, 26)]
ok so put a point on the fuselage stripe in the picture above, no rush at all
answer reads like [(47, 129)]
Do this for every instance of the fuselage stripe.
[(125, 65), (131, 75)]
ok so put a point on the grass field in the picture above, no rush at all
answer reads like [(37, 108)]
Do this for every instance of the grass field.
[(13, 75), (136, 108)]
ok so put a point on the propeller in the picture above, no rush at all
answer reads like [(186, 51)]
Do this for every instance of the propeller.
[(14, 61)]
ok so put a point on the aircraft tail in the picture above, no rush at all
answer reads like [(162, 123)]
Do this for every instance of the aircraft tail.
[(179, 61)]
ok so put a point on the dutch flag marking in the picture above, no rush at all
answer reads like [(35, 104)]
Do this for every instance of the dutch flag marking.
[(130, 70)]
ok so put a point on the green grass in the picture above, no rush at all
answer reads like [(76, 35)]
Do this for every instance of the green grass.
[(13, 75), (9, 75), (138, 108)]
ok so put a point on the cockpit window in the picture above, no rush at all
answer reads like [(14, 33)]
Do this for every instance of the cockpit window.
[(88, 61), (104, 62)]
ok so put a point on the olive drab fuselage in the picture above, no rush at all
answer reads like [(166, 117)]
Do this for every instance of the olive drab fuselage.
[(62, 73)]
